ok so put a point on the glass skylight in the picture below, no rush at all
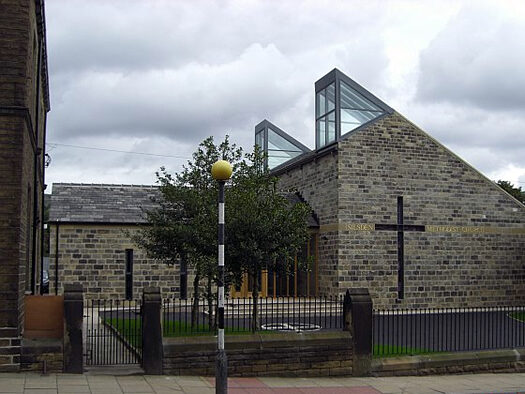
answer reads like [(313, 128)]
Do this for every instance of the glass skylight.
[(278, 146), (341, 105)]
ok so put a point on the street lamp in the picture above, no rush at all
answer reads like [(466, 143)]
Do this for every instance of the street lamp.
[(221, 171)]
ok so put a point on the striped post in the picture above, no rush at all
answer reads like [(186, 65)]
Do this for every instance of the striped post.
[(221, 171), (221, 374)]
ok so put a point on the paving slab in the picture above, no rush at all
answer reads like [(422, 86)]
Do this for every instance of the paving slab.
[(35, 383)]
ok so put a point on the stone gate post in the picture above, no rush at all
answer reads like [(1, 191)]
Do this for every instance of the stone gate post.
[(152, 352), (357, 314), (73, 319)]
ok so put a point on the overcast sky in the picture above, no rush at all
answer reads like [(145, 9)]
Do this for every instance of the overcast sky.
[(157, 77)]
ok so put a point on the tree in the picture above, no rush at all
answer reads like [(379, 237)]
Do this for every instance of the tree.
[(184, 226), (515, 192), (263, 229)]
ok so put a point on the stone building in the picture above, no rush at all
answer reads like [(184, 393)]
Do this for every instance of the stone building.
[(91, 230), (398, 212), (24, 103)]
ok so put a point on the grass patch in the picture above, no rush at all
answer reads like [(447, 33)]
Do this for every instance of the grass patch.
[(396, 350), (520, 316), (131, 330)]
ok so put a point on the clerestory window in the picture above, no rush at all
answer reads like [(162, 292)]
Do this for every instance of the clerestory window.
[(278, 146), (341, 106)]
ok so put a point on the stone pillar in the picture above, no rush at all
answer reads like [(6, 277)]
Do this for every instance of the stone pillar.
[(73, 319), (152, 353), (357, 310)]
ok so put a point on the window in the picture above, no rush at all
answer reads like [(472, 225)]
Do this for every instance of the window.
[(325, 116), (278, 146), (129, 274), (355, 109), (341, 106)]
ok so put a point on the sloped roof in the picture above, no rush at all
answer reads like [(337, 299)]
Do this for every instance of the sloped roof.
[(295, 198), (101, 203), (117, 204)]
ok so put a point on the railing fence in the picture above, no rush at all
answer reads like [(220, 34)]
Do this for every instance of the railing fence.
[(113, 332), (416, 331), (281, 314)]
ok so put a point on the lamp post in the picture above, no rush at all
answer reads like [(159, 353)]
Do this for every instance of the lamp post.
[(221, 171)]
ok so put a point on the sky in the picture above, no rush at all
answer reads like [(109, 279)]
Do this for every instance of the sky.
[(157, 77)]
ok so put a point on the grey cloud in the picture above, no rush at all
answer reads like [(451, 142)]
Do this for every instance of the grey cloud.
[(477, 60)]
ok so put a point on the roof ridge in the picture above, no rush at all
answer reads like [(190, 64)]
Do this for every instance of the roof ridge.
[(102, 184)]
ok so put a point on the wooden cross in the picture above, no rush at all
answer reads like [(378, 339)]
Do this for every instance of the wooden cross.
[(400, 228)]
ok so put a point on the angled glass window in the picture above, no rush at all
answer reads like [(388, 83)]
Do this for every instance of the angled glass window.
[(341, 105), (325, 116), (278, 146), (355, 109)]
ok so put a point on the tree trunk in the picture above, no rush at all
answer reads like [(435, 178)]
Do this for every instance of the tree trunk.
[(195, 306), (255, 298)]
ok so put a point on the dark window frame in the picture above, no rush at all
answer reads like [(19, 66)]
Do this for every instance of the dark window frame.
[(335, 77), (129, 274)]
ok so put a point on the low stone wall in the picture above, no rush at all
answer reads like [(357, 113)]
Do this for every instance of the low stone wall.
[(9, 350), (279, 354), (510, 360), (35, 351)]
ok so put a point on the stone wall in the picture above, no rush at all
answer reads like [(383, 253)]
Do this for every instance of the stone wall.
[(472, 251), (291, 354), (317, 181), (37, 352), (22, 134), (95, 256), (508, 360)]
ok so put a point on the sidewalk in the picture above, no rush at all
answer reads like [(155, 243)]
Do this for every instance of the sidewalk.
[(32, 383)]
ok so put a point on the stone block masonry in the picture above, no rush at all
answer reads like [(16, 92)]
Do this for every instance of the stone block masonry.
[(276, 354), (24, 102), (95, 256), (470, 246)]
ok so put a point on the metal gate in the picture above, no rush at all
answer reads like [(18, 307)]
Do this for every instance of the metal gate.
[(112, 332)]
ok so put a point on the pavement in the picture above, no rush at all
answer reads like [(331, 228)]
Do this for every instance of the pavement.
[(34, 383)]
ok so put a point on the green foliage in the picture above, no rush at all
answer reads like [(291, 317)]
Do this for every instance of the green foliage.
[(263, 228), (515, 192), (185, 224)]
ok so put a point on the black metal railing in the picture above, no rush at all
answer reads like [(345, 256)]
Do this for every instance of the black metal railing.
[(113, 332), (418, 331), (274, 314)]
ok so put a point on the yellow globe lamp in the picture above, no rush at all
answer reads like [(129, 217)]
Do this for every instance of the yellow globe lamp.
[(221, 170)]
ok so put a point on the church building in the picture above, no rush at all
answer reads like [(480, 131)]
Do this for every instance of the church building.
[(393, 211), (398, 212)]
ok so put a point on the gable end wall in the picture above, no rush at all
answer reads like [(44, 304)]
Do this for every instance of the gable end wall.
[(455, 266)]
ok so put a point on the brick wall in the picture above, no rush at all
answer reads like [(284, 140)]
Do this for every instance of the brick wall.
[(94, 255), (306, 355), (394, 158), (21, 134), (317, 181), (452, 266)]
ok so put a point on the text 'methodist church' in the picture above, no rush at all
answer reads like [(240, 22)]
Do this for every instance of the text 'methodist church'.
[(394, 211)]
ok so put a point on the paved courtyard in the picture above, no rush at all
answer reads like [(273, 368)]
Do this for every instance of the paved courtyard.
[(32, 383)]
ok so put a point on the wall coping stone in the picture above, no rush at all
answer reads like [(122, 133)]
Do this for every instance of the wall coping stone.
[(438, 360), (261, 341)]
